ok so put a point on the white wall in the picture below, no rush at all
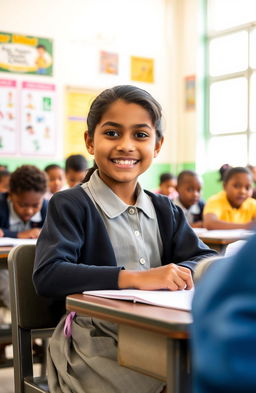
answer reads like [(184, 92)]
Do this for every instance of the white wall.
[(81, 28)]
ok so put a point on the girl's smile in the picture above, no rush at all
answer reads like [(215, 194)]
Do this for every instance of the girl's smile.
[(124, 144)]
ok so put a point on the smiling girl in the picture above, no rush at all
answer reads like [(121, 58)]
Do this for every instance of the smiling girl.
[(108, 233)]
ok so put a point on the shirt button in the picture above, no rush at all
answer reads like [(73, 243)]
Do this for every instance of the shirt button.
[(137, 233), (142, 261), (131, 210)]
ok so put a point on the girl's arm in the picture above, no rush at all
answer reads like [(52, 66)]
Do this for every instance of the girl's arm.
[(172, 277), (211, 221)]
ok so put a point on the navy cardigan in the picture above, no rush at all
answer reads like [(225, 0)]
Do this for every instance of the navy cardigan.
[(74, 252), (5, 216)]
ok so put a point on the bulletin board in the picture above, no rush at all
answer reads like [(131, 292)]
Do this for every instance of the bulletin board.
[(25, 54), (78, 102), (27, 118)]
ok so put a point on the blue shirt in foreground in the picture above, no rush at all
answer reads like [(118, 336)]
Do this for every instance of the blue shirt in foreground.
[(224, 329)]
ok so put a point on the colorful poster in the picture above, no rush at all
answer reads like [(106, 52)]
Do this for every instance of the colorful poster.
[(78, 104), (108, 63), (190, 92), (8, 116), (38, 135), (25, 54), (142, 69)]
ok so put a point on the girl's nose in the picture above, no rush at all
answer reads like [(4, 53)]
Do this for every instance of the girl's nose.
[(125, 144)]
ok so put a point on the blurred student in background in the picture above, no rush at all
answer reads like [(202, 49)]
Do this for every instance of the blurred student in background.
[(75, 169), (23, 209), (232, 208), (56, 179), (4, 180), (224, 327), (189, 189), (167, 186)]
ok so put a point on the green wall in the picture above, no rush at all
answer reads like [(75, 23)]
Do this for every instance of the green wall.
[(13, 163), (149, 180)]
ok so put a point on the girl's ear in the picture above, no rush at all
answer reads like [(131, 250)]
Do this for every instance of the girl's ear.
[(89, 143), (158, 146)]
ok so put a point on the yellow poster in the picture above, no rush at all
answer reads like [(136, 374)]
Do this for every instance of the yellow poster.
[(78, 102), (142, 69)]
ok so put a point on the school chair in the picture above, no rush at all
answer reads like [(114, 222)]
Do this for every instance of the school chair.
[(31, 319)]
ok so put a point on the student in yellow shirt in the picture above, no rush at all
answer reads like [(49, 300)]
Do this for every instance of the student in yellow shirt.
[(232, 208)]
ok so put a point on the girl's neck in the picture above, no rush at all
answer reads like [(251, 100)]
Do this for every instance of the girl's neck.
[(126, 193)]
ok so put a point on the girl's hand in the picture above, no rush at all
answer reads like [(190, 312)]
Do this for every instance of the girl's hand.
[(29, 234), (1, 233), (172, 277)]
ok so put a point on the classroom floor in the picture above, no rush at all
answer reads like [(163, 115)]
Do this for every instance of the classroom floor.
[(6, 375), (6, 380)]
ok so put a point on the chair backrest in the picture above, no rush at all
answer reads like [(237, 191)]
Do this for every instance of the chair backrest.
[(30, 313)]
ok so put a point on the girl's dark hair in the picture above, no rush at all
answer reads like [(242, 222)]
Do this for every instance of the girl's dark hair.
[(166, 177), (28, 178), (130, 94), (223, 169), (234, 171), (50, 167)]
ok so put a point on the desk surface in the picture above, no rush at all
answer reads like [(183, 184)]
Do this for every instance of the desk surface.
[(4, 251), (166, 321)]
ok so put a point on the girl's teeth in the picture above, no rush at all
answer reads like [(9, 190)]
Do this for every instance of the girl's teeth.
[(125, 162)]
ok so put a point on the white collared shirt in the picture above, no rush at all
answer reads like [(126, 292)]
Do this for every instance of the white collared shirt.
[(133, 229)]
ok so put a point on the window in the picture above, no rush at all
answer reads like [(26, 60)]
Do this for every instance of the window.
[(231, 125)]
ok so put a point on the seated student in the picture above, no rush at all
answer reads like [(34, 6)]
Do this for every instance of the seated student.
[(23, 209), (4, 180), (108, 233), (224, 328), (232, 208), (56, 179), (167, 186), (189, 190), (22, 214), (75, 169)]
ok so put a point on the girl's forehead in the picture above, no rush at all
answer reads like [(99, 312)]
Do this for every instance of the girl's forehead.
[(122, 111), (243, 177)]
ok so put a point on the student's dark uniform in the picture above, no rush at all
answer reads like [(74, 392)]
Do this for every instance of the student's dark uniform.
[(74, 253), (5, 216), (5, 226)]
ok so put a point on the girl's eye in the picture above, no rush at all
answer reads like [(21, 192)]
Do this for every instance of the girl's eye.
[(112, 133), (141, 134)]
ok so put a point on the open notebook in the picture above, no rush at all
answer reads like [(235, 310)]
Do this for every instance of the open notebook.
[(10, 241), (172, 299)]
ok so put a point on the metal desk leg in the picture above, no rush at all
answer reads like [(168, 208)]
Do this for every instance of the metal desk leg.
[(178, 366)]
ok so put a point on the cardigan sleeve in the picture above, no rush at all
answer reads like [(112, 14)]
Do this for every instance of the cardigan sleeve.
[(67, 258)]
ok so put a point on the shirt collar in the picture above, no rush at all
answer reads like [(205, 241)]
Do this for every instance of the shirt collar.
[(111, 204)]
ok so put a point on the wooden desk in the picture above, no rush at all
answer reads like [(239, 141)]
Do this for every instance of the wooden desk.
[(4, 251), (217, 244), (152, 340), (219, 239)]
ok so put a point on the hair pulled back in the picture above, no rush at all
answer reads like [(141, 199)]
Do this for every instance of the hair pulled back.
[(130, 94), (234, 171)]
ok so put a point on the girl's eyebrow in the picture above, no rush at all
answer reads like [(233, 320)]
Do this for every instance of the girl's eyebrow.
[(113, 124)]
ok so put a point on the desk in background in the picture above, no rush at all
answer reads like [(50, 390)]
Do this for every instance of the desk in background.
[(152, 340), (219, 239)]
